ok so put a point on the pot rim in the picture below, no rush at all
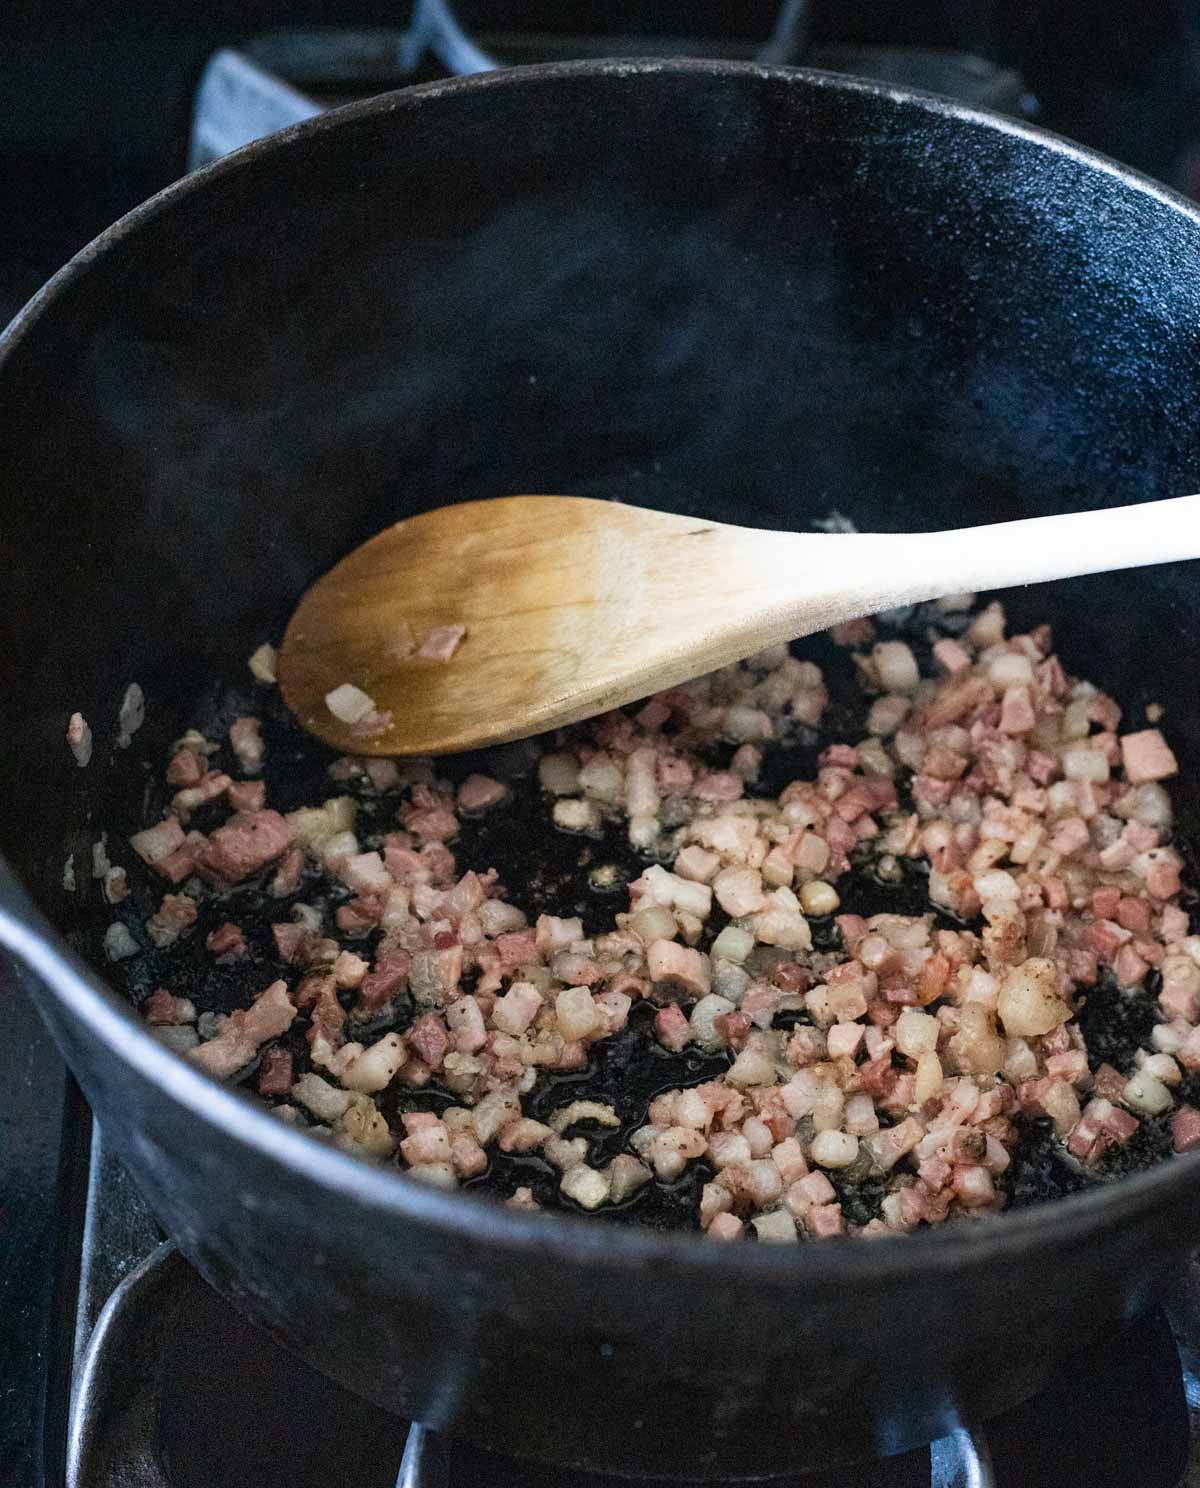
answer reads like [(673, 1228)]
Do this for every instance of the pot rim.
[(563, 1237)]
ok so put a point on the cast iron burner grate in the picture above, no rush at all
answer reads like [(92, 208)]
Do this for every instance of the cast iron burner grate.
[(173, 1389), (268, 82)]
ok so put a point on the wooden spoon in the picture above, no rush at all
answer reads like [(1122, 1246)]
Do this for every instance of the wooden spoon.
[(573, 606)]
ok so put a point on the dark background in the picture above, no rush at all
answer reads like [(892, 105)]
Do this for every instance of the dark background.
[(95, 94)]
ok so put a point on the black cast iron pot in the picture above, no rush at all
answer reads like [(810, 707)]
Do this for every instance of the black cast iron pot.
[(754, 294)]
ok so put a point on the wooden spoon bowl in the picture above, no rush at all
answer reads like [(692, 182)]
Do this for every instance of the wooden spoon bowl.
[(573, 606)]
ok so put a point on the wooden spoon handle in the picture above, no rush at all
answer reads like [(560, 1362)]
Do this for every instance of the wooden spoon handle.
[(906, 567)]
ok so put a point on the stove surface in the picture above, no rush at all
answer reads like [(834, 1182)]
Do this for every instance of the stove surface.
[(174, 1389)]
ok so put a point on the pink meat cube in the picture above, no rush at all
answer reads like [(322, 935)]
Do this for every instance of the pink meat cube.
[(1119, 1126), (1070, 1066), (405, 865), (878, 1077), (1185, 1129), (859, 632), (1147, 756), (289, 938), (843, 1039), (163, 1007), (438, 824), (1072, 834), (699, 865), (1163, 881), (385, 980), (853, 805), (287, 876), (840, 756), (653, 715), (726, 1227), (973, 1185), (1109, 1084), (788, 1157), (1087, 1141), (1178, 1000), (1106, 938), (1016, 712), (158, 842), (246, 795), (275, 1072), (517, 948), (935, 1172), (438, 858), (358, 915), (1150, 950), (226, 942), (853, 928), (365, 873), (674, 774), (181, 864), (951, 656), (930, 793), (825, 1220), (1030, 1092), (210, 787), (678, 968), (719, 785), (465, 1021), (516, 1010), (467, 1156), (186, 768), (1056, 893), (442, 642), (478, 792), (807, 1193), (245, 845), (734, 1028), (1130, 968), (1041, 768), (429, 1038), (672, 1027), (759, 1002), (245, 1030), (1133, 914), (524, 1135), (427, 1144), (1105, 903), (245, 739)]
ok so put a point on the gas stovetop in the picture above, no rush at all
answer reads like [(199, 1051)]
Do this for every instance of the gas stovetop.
[(173, 1389)]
